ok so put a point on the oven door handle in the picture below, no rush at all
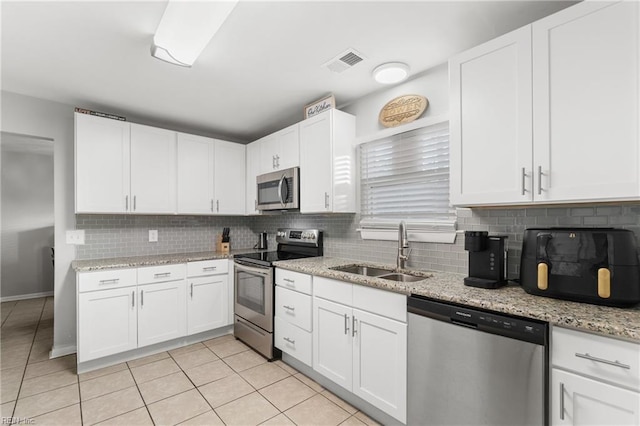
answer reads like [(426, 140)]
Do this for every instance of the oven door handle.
[(253, 269)]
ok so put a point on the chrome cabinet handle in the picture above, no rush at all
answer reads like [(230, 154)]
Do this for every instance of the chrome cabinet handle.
[(346, 324), (255, 204), (286, 339), (524, 179), (287, 280), (561, 401), (112, 281), (126, 203), (212, 204), (191, 290), (289, 308), (133, 299), (218, 206), (326, 200), (615, 363), (134, 203), (162, 275), (277, 161), (353, 327), (539, 180), (210, 268), (141, 298)]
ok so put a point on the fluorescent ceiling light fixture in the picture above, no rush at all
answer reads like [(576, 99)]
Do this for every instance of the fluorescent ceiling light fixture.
[(391, 72), (187, 27)]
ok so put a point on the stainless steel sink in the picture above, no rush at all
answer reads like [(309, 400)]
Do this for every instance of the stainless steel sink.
[(385, 274), (398, 276), (369, 271)]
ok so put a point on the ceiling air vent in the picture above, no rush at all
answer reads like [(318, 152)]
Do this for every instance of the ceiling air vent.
[(344, 61)]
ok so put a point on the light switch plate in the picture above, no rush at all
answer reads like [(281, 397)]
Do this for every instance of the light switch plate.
[(75, 237), (153, 235)]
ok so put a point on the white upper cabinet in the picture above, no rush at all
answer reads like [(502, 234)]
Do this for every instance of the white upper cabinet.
[(586, 75), (102, 165), (153, 170), (253, 162), (327, 163), (195, 174), (229, 178), (279, 150), (490, 101), (573, 92)]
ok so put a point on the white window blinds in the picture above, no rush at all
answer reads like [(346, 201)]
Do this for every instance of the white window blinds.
[(406, 177)]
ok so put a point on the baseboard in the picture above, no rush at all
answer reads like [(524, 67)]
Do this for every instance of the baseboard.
[(57, 352), (26, 296)]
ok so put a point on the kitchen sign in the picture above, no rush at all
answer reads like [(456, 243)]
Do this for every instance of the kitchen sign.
[(100, 114), (319, 106), (403, 109)]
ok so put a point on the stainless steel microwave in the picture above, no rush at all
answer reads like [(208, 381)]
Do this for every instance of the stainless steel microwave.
[(279, 190)]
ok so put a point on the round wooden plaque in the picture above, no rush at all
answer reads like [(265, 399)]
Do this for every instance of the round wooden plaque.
[(403, 109)]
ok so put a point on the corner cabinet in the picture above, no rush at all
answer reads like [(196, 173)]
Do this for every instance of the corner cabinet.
[(556, 105), (101, 164), (594, 380), (327, 163)]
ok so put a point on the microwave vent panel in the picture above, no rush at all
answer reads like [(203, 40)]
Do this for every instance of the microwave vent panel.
[(344, 61)]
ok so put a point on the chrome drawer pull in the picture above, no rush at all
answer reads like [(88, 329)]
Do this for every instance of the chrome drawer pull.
[(289, 308), (615, 363), (346, 324), (286, 339), (191, 290), (112, 281), (210, 268), (287, 280), (162, 275), (353, 327), (133, 298), (561, 401)]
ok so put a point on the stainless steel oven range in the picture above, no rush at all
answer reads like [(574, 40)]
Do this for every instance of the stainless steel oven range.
[(255, 282)]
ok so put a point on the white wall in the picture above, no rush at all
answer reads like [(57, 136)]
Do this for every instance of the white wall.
[(31, 116), (432, 84), (27, 217)]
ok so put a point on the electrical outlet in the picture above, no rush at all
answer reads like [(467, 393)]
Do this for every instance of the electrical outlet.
[(75, 237), (153, 235)]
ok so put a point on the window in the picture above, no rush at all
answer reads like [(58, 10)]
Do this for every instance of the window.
[(406, 177)]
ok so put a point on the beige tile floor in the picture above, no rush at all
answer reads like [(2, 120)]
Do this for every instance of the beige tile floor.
[(217, 382)]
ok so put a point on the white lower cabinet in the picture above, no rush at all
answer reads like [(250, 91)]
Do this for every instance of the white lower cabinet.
[(293, 318), (161, 312), (595, 380), (362, 351), (207, 298), (107, 322)]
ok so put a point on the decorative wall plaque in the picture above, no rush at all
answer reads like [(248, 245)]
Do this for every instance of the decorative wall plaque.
[(319, 106), (403, 109)]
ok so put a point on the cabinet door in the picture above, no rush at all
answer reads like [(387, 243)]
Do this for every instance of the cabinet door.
[(577, 400), (102, 165), (162, 312), (207, 303), (153, 169), (195, 174), (229, 180), (288, 154), (491, 122), (316, 171), (107, 323), (586, 76), (269, 147), (333, 342), (253, 162), (380, 362)]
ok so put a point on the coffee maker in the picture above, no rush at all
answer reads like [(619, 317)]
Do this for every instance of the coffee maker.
[(487, 259)]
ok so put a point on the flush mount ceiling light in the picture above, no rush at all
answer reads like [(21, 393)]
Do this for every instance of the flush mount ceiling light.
[(391, 72), (186, 28)]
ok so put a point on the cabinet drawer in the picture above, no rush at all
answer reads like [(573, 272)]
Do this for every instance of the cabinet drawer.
[(103, 280), (334, 290), (293, 280), (380, 302), (162, 273), (294, 307), (293, 341), (207, 267), (601, 357)]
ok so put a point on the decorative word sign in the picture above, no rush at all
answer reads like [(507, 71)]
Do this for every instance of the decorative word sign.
[(317, 107), (100, 114), (403, 109)]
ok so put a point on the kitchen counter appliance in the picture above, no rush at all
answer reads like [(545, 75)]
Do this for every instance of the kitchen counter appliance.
[(254, 275), (279, 190), (487, 259), (473, 367), (593, 265)]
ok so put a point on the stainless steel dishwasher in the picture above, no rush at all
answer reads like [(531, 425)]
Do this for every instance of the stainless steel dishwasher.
[(474, 367)]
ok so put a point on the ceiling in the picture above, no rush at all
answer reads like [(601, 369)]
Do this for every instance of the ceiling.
[(259, 70)]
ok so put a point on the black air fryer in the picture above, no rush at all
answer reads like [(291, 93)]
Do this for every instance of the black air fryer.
[(487, 259), (592, 265)]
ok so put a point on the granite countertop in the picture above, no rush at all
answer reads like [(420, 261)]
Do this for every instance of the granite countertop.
[(151, 260), (511, 299)]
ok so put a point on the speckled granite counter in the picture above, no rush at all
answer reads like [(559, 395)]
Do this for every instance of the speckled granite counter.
[(159, 259), (621, 323)]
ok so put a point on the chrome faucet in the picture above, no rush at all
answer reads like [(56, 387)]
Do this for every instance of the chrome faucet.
[(403, 243)]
